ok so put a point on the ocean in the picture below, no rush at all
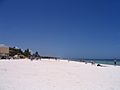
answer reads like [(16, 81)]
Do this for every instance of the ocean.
[(100, 61)]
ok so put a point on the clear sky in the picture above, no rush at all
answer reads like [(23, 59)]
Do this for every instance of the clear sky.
[(66, 28)]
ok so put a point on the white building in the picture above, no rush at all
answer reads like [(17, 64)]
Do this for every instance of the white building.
[(4, 50)]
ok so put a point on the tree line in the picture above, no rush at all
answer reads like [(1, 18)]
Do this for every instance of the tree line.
[(27, 54), (24, 54)]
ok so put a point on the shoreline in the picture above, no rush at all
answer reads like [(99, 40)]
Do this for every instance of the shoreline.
[(65, 60)]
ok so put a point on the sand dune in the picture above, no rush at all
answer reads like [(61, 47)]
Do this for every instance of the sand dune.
[(57, 75)]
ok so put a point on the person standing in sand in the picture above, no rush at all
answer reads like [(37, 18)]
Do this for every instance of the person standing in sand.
[(93, 62), (115, 62)]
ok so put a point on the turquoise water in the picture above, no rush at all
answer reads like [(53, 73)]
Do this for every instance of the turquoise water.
[(101, 61), (110, 62)]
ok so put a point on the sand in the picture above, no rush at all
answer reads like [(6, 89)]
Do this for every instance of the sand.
[(57, 75)]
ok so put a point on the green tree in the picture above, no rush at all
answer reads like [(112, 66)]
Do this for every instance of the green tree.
[(14, 51), (37, 54), (27, 53)]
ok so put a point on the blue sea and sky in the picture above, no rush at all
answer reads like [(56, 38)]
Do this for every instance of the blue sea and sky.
[(63, 28)]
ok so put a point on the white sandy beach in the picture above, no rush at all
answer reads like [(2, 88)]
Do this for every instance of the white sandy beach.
[(57, 75)]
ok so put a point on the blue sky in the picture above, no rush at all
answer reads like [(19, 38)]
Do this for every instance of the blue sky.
[(66, 28)]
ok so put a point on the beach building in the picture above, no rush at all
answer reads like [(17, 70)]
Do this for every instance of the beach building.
[(4, 51)]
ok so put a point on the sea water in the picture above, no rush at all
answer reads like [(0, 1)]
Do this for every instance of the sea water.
[(100, 61), (108, 61)]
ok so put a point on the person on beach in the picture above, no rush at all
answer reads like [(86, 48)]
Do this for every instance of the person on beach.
[(115, 62), (99, 65), (93, 62), (85, 62)]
